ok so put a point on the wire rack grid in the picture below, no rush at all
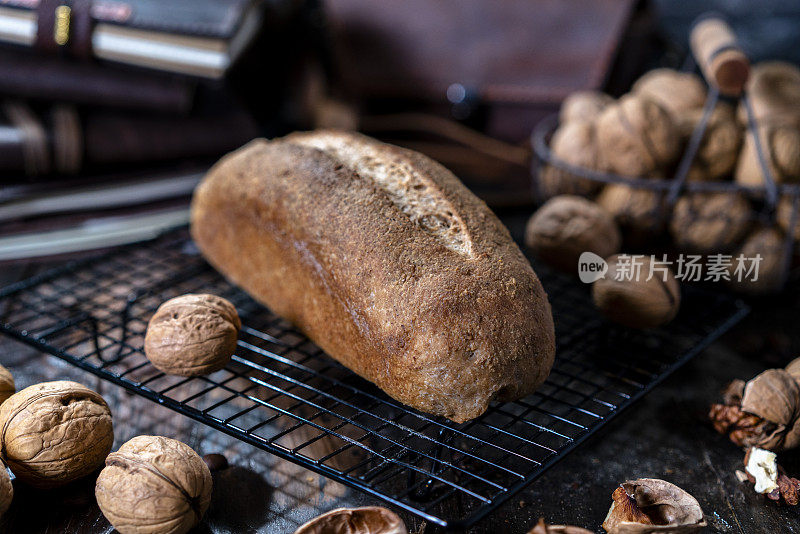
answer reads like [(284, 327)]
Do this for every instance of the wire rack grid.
[(281, 394)]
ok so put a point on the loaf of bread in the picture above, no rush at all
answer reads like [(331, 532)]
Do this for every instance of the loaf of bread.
[(386, 261)]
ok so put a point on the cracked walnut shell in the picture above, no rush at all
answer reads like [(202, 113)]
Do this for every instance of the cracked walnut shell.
[(7, 387), (366, 520), (634, 300), (154, 485), (763, 413), (55, 432), (648, 506), (567, 226), (192, 335)]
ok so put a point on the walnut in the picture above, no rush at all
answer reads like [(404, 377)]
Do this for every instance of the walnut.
[(793, 368), (762, 413), (639, 212), (651, 505), (543, 528), (784, 216), (6, 489), (567, 226), (677, 92), (367, 520), (55, 432), (712, 222), (192, 335), (774, 91), (719, 149), (769, 244), (574, 144), (154, 485), (583, 106), (781, 146), (636, 137), (7, 387), (626, 295)]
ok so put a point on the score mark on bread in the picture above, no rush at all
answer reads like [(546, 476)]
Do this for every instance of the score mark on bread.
[(406, 188)]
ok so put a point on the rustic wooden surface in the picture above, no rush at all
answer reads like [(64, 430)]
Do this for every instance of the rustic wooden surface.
[(665, 435)]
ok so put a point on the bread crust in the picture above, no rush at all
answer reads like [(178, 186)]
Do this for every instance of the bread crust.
[(442, 328)]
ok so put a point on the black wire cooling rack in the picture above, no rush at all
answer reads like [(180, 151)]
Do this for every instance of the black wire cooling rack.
[(282, 394)]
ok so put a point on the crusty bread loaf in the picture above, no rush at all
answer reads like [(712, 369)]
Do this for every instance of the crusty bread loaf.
[(386, 261)]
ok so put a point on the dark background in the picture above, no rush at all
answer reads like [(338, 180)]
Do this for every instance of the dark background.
[(666, 435)]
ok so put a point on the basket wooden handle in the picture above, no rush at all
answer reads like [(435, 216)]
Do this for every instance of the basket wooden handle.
[(721, 60)]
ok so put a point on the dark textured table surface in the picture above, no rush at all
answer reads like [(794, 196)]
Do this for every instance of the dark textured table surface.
[(666, 435)]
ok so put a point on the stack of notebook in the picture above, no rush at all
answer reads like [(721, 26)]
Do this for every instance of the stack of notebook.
[(110, 110)]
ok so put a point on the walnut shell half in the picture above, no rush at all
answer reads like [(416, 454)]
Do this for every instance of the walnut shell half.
[(7, 387), (763, 413), (154, 485), (543, 528), (192, 335), (650, 505), (367, 520), (634, 300), (55, 432), (6, 489), (567, 226)]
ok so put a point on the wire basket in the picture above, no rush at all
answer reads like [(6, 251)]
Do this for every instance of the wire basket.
[(764, 199), (283, 395)]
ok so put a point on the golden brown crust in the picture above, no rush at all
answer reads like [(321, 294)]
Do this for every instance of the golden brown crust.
[(442, 328)]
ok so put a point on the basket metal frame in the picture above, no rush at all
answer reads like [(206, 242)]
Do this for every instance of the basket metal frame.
[(92, 314)]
